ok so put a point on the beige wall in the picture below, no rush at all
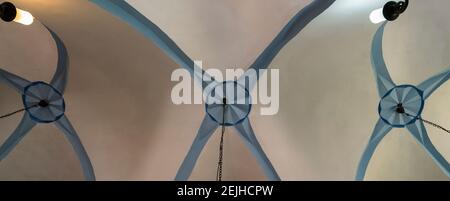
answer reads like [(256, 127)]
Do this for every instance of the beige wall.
[(118, 96)]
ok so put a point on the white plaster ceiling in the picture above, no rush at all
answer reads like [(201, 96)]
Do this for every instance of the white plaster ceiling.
[(118, 95)]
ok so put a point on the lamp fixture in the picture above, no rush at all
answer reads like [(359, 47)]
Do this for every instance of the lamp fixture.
[(390, 11), (9, 13)]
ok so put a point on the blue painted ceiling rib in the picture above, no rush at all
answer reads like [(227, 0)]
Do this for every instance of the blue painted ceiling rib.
[(292, 28), (400, 106), (44, 103), (236, 115)]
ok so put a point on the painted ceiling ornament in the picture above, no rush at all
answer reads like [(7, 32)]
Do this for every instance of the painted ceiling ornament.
[(400, 106), (236, 113), (44, 103)]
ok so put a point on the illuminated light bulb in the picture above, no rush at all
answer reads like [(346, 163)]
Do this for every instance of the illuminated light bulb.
[(390, 11), (24, 17), (377, 16), (9, 13)]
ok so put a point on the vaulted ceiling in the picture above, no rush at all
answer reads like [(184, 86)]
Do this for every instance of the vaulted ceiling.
[(118, 95)]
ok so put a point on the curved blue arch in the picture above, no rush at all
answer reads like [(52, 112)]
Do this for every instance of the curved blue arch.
[(385, 86), (28, 121), (124, 11)]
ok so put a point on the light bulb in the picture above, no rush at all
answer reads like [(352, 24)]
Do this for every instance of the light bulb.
[(24, 17), (377, 16)]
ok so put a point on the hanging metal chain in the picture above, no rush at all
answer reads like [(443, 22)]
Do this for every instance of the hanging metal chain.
[(15, 112), (220, 163), (429, 123)]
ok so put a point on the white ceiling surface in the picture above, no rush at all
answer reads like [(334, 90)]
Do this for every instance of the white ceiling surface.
[(118, 95)]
